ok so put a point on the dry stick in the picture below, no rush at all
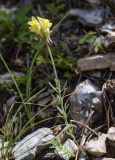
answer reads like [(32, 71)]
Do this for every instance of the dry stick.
[(96, 129), (77, 154), (109, 107), (83, 138), (87, 121), (83, 125), (106, 110)]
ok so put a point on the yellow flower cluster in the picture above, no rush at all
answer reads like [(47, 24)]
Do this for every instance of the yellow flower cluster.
[(41, 27)]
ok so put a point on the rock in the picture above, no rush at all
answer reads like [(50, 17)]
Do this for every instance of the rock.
[(32, 144), (63, 135), (97, 62), (112, 67), (109, 39), (95, 73), (110, 3), (6, 78), (109, 29), (94, 3), (83, 156), (110, 86), (57, 129), (18, 62), (68, 149), (44, 113), (104, 158), (94, 62), (108, 158), (96, 147), (89, 17), (86, 98), (10, 102), (111, 137), (47, 154)]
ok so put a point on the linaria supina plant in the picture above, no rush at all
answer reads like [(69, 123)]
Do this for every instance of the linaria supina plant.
[(41, 27)]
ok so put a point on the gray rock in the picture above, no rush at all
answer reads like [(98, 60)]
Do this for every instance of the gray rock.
[(104, 158), (96, 147), (6, 78), (89, 17), (109, 38), (111, 137), (86, 98), (110, 86), (32, 144), (108, 158), (83, 156), (95, 73), (94, 3), (68, 149), (94, 62), (47, 154)]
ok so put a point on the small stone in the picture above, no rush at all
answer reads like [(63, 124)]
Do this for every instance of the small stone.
[(83, 156), (96, 147), (6, 77), (104, 158), (94, 3), (110, 86), (108, 158), (111, 137), (68, 149), (63, 135), (32, 144), (96, 74), (19, 62)]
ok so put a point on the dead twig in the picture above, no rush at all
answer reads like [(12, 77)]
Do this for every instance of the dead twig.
[(83, 125)]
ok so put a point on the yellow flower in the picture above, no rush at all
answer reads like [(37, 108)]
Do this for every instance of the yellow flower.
[(41, 27)]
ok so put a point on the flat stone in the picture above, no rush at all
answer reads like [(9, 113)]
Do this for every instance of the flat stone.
[(32, 144), (97, 62), (94, 62), (68, 149), (96, 147)]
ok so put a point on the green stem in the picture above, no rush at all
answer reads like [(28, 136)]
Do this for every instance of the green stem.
[(58, 86), (52, 61), (15, 83), (58, 24), (19, 92)]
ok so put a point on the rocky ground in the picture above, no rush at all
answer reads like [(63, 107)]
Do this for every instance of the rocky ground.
[(89, 33)]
